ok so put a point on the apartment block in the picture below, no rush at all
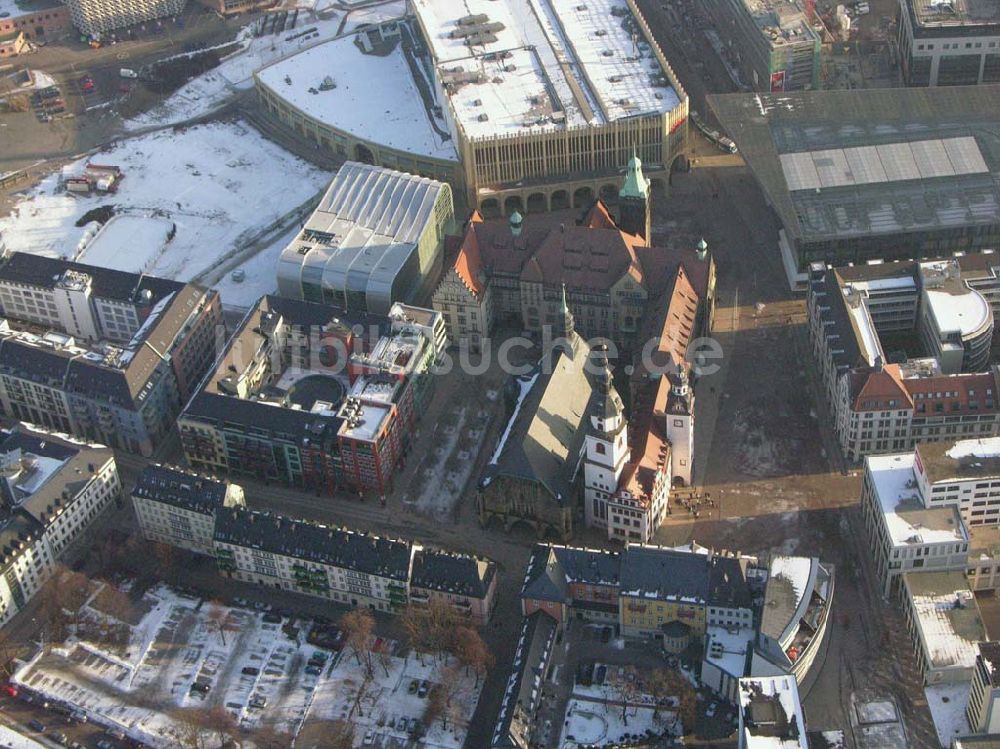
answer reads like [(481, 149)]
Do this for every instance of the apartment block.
[(178, 507), (983, 711), (944, 623), (54, 488), (949, 42), (465, 583), (904, 531), (886, 401), (104, 355)]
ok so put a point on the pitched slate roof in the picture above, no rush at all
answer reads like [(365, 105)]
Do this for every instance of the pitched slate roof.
[(314, 542), (180, 488), (448, 572), (36, 270), (545, 440)]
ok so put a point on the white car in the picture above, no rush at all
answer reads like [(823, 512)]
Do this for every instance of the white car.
[(128, 73), (369, 738)]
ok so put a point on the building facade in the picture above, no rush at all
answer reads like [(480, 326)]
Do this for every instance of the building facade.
[(949, 43), (777, 47), (553, 142), (178, 507), (465, 583), (314, 396), (375, 238), (98, 17), (983, 710), (881, 407), (944, 623), (121, 354), (907, 533), (42, 20), (53, 488)]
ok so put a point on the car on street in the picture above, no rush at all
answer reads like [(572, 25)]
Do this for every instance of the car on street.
[(59, 737), (414, 686), (10, 690), (425, 687), (314, 670)]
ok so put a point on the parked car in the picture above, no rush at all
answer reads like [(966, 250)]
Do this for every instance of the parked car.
[(201, 687), (128, 73), (251, 671), (79, 716), (314, 670), (116, 733), (414, 686), (369, 738), (272, 618), (59, 737), (36, 725), (258, 701), (425, 687), (10, 690), (104, 744)]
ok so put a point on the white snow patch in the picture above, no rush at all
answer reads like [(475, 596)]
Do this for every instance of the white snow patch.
[(982, 448), (524, 387), (947, 703), (218, 183)]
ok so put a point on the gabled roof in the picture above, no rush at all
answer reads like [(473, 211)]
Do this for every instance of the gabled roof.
[(544, 442), (448, 572), (879, 387), (313, 542)]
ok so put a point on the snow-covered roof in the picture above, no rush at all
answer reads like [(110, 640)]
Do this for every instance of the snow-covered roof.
[(771, 714), (953, 305), (542, 64), (371, 96), (727, 648), (946, 616), (963, 460), (908, 521)]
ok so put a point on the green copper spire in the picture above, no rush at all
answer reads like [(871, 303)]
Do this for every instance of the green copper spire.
[(636, 185)]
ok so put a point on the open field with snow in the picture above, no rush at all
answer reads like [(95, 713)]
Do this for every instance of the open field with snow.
[(219, 185), (145, 683)]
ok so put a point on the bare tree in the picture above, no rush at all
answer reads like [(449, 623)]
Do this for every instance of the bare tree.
[(268, 737), (472, 652), (358, 626), (664, 683), (436, 702), (220, 722), (341, 735), (191, 728), (165, 555), (216, 616), (442, 620), (414, 620), (627, 689)]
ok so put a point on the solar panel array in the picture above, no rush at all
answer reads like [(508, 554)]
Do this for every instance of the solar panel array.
[(892, 162)]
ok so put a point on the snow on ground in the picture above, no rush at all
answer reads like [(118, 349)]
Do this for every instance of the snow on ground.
[(133, 243), (259, 274), (211, 90), (11, 739), (219, 184), (599, 723), (382, 704), (947, 703), (179, 642)]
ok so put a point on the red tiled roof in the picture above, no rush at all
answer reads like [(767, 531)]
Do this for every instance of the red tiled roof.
[(949, 390), (467, 263), (872, 391)]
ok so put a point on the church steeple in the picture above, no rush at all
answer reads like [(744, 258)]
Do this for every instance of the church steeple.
[(565, 323), (633, 201)]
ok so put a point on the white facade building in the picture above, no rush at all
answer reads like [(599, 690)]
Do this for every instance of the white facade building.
[(178, 507), (983, 710), (943, 620), (606, 451), (965, 473), (904, 533), (54, 488), (949, 42)]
